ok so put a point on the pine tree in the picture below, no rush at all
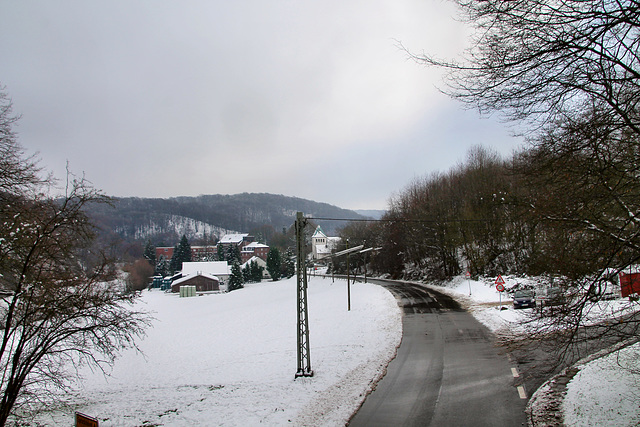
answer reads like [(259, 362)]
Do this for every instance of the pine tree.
[(235, 280), (181, 253), (274, 264), (246, 273), (256, 271), (150, 253), (175, 264), (289, 264)]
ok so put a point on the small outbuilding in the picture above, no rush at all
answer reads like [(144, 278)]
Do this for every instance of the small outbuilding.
[(202, 281)]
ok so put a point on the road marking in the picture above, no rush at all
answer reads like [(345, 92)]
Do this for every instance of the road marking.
[(515, 373), (521, 392)]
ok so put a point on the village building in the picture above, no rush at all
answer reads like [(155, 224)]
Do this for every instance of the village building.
[(322, 245), (164, 253), (254, 249), (261, 262), (205, 275), (238, 240), (197, 252), (202, 281), (204, 253)]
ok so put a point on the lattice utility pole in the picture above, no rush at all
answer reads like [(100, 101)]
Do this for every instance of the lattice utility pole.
[(304, 354)]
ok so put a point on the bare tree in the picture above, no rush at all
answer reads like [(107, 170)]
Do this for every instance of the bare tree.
[(58, 303), (17, 172), (571, 70), (541, 60)]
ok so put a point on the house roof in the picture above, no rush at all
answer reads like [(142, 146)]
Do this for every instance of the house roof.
[(254, 245), (215, 268), (190, 276), (319, 232), (259, 260), (233, 238)]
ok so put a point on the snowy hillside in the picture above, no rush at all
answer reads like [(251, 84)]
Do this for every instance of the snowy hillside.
[(173, 224), (230, 359), (139, 219)]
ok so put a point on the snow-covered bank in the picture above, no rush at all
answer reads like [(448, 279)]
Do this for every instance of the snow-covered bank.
[(600, 390), (230, 359)]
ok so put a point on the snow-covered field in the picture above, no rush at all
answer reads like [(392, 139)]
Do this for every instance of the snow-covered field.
[(230, 359)]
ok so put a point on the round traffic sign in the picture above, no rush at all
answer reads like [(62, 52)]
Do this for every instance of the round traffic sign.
[(499, 287)]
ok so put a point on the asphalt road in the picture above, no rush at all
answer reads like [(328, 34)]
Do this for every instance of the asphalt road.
[(447, 371)]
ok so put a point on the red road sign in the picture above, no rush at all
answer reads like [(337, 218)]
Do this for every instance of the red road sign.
[(499, 287), (500, 280)]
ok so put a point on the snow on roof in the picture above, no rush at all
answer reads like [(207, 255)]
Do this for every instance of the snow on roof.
[(215, 268), (255, 245), (233, 238), (319, 232), (257, 259), (187, 277)]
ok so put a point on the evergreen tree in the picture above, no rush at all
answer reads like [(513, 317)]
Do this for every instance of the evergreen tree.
[(150, 253), (181, 253), (162, 266), (289, 264), (256, 271), (274, 264), (185, 250), (175, 264), (235, 280), (246, 273)]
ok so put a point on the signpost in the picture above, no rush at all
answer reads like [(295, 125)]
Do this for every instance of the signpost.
[(500, 288)]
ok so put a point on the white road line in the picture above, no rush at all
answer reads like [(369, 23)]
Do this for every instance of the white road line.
[(521, 392), (515, 373)]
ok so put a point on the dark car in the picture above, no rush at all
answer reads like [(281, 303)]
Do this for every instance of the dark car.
[(554, 296), (524, 299)]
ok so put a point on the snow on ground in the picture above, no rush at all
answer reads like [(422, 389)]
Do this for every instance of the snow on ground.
[(604, 389), (230, 359)]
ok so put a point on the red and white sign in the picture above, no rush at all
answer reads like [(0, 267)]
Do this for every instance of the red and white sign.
[(499, 287), (500, 280)]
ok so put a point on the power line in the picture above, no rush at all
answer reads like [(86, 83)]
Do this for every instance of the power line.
[(398, 220)]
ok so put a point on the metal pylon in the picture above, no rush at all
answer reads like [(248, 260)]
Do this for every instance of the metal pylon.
[(304, 354)]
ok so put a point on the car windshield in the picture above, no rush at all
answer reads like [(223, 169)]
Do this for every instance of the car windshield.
[(523, 294)]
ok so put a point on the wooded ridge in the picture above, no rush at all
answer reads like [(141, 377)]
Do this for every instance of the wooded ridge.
[(163, 221)]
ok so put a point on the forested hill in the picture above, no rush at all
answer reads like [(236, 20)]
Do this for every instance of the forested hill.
[(206, 216)]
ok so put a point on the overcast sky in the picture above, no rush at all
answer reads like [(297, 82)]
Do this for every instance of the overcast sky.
[(311, 99)]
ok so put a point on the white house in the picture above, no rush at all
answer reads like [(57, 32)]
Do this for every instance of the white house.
[(321, 244), (220, 269), (262, 263)]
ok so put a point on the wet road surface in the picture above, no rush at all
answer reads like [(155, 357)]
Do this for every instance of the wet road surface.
[(447, 371)]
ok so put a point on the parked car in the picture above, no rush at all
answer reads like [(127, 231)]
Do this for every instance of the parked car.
[(552, 296), (524, 299)]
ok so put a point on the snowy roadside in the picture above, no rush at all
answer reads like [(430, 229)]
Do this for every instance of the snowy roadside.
[(598, 390), (230, 359)]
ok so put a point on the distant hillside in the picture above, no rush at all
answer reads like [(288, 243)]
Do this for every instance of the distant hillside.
[(208, 216), (371, 213)]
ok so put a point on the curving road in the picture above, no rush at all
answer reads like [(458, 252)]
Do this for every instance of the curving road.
[(447, 371)]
